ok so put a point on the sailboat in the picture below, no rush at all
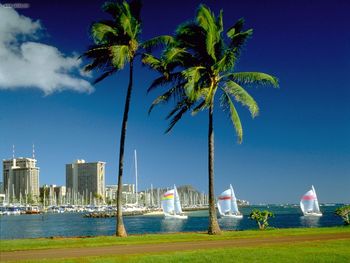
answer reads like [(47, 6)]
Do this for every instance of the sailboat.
[(227, 204), (171, 205), (309, 203)]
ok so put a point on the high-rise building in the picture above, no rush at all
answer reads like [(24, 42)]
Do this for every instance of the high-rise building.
[(20, 178), (85, 180)]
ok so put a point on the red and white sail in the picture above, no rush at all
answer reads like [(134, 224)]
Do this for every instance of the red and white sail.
[(309, 203)]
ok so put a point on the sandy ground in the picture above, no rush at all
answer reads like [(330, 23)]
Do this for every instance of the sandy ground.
[(165, 247)]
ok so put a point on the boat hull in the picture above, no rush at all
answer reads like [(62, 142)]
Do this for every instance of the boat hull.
[(313, 214), (32, 212), (232, 216), (167, 216)]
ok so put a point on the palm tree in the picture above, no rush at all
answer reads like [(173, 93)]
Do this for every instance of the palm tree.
[(198, 63), (116, 43)]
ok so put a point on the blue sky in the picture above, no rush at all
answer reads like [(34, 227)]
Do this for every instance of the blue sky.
[(301, 136)]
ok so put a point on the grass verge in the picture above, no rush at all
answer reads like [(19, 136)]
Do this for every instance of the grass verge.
[(46, 243), (317, 251)]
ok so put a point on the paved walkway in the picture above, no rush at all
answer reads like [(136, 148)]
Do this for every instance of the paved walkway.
[(164, 247)]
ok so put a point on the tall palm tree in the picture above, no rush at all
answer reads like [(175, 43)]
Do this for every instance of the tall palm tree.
[(116, 42), (197, 63)]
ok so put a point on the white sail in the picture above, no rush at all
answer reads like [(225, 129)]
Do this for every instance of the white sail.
[(168, 202), (316, 205), (309, 203), (219, 209), (234, 207), (224, 202), (177, 204)]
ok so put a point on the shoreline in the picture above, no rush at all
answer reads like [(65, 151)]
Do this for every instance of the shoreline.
[(204, 233)]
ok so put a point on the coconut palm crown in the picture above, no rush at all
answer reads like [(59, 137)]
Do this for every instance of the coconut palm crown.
[(116, 43), (197, 65)]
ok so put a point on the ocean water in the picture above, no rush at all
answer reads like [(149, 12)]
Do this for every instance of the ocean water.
[(74, 224)]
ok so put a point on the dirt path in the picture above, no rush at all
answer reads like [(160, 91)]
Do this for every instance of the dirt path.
[(165, 247)]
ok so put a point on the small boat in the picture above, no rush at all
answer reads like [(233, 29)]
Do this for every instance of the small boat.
[(171, 205), (227, 204), (12, 210), (32, 210), (309, 203)]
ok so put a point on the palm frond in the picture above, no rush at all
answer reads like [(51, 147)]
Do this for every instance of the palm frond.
[(126, 20), (104, 75), (238, 40), (152, 62), (96, 52), (242, 96), (219, 22), (236, 28), (193, 37), (103, 30), (228, 106), (206, 19), (165, 80), (174, 54), (201, 106), (192, 76), (120, 55), (113, 8), (155, 42), (173, 92), (180, 109), (254, 78), (99, 54), (227, 61)]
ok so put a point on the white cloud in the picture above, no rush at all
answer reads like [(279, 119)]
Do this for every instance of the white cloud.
[(27, 64)]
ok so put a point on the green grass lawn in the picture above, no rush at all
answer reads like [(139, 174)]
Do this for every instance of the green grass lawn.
[(330, 251), (318, 252), (43, 243)]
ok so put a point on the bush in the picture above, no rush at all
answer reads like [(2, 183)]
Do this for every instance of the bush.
[(261, 217), (344, 213)]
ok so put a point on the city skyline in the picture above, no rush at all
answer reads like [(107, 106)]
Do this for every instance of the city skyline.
[(299, 139)]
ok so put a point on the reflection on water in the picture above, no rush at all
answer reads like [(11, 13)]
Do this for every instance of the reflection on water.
[(310, 221), (172, 225), (229, 222)]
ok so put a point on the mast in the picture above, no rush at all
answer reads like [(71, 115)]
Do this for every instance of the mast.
[(44, 197), (13, 193), (175, 195), (136, 197), (152, 195), (158, 197), (33, 151)]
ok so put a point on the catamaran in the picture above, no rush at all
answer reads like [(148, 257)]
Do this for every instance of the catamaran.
[(309, 203), (171, 205), (227, 204)]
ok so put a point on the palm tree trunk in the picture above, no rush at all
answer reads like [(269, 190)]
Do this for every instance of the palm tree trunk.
[(120, 231), (214, 228)]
